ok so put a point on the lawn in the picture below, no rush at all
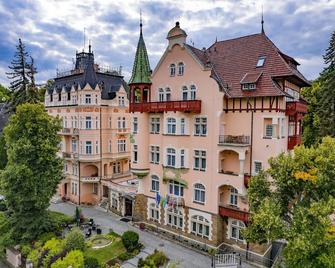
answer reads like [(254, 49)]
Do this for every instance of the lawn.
[(107, 253)]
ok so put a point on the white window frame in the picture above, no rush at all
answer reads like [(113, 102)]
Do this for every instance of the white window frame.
[(181, 68), (88, 122), (201, 156), (200, 126), (175, 218), (154, 125), (171, 157), (176, 189), (135, 153), (88, 98), (172, 69), (88, 148), (154, 212), (238, 225), (154, 154), (199, 191), (202, 226), (171, 126), (135, 125), (121, 145), (154, 183), (258, 166), (233, 197)]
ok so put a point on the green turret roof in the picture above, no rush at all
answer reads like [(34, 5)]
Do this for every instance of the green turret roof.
[(141, 69)]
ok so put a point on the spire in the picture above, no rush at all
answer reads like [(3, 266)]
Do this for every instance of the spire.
[(262, 22), (141, 68)]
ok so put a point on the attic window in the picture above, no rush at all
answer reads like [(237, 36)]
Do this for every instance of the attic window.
[(249, 86), (260, 62)]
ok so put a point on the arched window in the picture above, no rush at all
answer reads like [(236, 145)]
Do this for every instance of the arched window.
[(235, 230), (172, 69), (193, 94), (167, 94), (199, 193), (175, 218), (171, 157), (200, 226), (154, 183), (160, 94), (233, 196), (171, 125), (185, 93), (180, 68)]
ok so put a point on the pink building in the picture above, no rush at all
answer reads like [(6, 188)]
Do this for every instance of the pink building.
[(204, 121), (93, 105)]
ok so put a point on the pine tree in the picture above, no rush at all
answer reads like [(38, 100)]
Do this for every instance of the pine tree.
[(329, 57), (22, 74)]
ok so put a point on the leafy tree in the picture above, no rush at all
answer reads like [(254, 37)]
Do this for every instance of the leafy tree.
[(4, 94), (75, 240), (296, 204), (33, 170), (22, 87), (130, 240), (74, 259)]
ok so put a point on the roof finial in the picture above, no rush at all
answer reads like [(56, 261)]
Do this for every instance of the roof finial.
[(216, 39), (262, 21), (141, 20), (89, 45)]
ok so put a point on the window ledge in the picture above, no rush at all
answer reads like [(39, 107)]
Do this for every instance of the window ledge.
[(166, 134), (198, 202)]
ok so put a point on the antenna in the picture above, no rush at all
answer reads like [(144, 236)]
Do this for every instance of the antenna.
[(262, 21), (89, 45), (141, 24), (84, 38)]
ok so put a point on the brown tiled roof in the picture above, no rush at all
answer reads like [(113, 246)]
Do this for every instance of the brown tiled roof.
[(251, 77), (232, 59)]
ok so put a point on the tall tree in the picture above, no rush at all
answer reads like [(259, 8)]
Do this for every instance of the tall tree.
[(22, 74), (296, 205), (33, 170)]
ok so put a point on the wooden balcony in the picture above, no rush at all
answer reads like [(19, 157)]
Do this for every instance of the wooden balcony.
[(293, 141), (295, 107), (234, 213), (234, 140), (193, 106)]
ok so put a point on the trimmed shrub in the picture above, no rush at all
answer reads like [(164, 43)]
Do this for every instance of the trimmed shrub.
[(91, 262), (75, 240), (157, 259), (74, 258), (130, 240)]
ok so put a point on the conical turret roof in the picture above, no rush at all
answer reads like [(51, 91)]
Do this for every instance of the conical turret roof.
[(141, 68)]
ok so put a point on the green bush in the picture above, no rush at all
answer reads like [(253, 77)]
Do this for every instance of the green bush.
[(58, 219), (75, 240), (54, 246), (91, 262), (155, 260), (125, 256), (74, 258), (46, 237), (25, 250), (130, 240), (33, 256)]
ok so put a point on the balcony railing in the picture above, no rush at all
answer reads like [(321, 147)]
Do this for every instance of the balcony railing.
[(234, 213), (164, 106), (296, 107), (117, 175), (293, 141), (236, 140), (176, 200), (70, 155), (90, 179), (70, 131)]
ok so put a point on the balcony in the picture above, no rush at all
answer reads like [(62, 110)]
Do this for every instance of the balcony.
[(293, 141), (90, 179), (176, 200), (295, 107), (234, 140), (117, 175), (66, 155), (165, 106), (69, 131), (235, 213)]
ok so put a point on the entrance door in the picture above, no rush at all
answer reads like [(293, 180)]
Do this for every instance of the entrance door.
[(128, 207)]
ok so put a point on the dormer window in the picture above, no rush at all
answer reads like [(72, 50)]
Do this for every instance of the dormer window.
[(245, 86), (260, 62), (180, 68), (251, 86), (172, 69)]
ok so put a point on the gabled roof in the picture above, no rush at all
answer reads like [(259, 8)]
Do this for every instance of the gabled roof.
[(141, 69), (232, 59)]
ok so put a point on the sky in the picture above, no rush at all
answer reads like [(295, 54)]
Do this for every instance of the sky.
[(54, 29)]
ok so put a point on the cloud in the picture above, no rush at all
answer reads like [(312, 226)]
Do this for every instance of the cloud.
[(53, 30)]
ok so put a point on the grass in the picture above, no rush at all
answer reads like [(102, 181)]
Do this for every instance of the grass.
[(107, 253)]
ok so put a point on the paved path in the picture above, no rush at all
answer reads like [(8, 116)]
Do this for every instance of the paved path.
[(182, 256)]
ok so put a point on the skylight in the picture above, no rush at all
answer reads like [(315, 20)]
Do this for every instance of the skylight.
[(260, 62)]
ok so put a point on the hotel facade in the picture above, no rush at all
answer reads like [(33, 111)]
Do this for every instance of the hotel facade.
[(204, 122), (93, 105)]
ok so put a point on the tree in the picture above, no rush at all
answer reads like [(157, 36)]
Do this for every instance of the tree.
[(22, 87), (33, 170), (130, 240), (75, 240), (296, 204), (74, 259), (4, 94), (3, 152)]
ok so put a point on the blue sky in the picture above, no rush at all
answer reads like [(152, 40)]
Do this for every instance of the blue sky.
[(53, 29)]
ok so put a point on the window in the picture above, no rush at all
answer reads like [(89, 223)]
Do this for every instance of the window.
[(154, 183), (260, 62), (172, 69), (167, 94), (96, 147), (171, 125), (182, 158), (200, 126), (88, 99), (176, 189), (75, 122), (282, 128), (199, 193), (115, 200), (258, 167), (199, 160), (154, 125), (74, 146), (121, 146), (235, 230), (171, 157), (134, 153), (233, 196), (185, 93), (88, 146), (117, 167), (121, 122), (250, 86), (193, 92), (74, 188), (175, 218), (200, 226), (88, 122), (69, 96), (121, 100), (161, 94), (154, 212), (269, 131), (95, 188), (51, 97), (182, 126), (135, 125), (59, 96), (180, 68), (154, 154)]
